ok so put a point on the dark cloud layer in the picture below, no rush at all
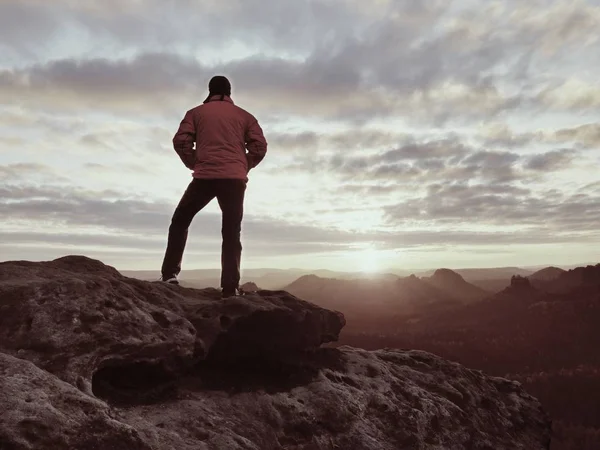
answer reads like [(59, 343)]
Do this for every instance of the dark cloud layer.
[(446, 160), (153, 23), (360, 63), (556, 212), (551, 161)]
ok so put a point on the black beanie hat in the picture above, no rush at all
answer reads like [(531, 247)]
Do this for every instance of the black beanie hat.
[(218, 85)]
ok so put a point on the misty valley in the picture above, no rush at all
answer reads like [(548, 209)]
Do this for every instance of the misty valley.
[(541, 330)]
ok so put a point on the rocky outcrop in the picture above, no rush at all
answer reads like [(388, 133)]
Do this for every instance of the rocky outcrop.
[(39, 411), (75, 316), (92, 359), (267, 324), (519, 283)]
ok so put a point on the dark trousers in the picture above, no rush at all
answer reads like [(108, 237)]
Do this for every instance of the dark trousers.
[(200, 192)]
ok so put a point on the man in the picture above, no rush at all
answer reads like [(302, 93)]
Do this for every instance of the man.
[(222, 132)]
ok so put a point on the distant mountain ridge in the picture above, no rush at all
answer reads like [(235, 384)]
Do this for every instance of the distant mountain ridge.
[(412, 297), (265, 278), (486, 279), (485, 272), (388, 296), (559, 309), (450, 281), (547, 274), (572, 279)]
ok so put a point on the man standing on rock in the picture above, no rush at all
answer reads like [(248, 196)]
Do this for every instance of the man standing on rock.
[(229, 142)]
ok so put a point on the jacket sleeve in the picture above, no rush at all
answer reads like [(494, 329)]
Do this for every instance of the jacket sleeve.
[(184, 139), (256, 144)]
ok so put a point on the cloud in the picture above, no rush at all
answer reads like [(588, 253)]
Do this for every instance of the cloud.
[(587, 135), (554, 160), (81, 240), (22, 26), (103, 219), (11, 173), (72, 207), (128, 244), (414, 167), (500, 135), (108, 211), (388, 66), (582, 137), (349, 141), (303, 141), (418, 162), (571, 94), (555, 211), (122, 85), (153, 24)]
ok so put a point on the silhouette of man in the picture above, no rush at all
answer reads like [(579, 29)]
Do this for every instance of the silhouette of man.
[(229, 143)]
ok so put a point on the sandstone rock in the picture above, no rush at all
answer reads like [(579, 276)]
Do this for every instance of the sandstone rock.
[(75, 316), (163, 367), (266, 324), (39, 411), (517, 281), (327, 399), (347, 399)]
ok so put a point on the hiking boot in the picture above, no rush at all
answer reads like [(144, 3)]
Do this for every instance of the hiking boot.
[(170, 280)]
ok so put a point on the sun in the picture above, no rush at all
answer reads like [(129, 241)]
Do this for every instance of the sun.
[(369, 260)]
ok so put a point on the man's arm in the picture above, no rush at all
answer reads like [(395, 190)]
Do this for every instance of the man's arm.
[(184, 139), (255, 143)]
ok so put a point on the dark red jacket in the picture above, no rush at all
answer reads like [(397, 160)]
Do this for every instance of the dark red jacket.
[(222, 132)]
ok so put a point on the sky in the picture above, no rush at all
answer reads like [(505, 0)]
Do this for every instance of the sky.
[(403, 134)]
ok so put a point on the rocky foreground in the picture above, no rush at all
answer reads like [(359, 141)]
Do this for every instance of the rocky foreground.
[(90, 359)]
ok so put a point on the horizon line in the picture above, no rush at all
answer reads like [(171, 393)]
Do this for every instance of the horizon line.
[(384, 271)]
